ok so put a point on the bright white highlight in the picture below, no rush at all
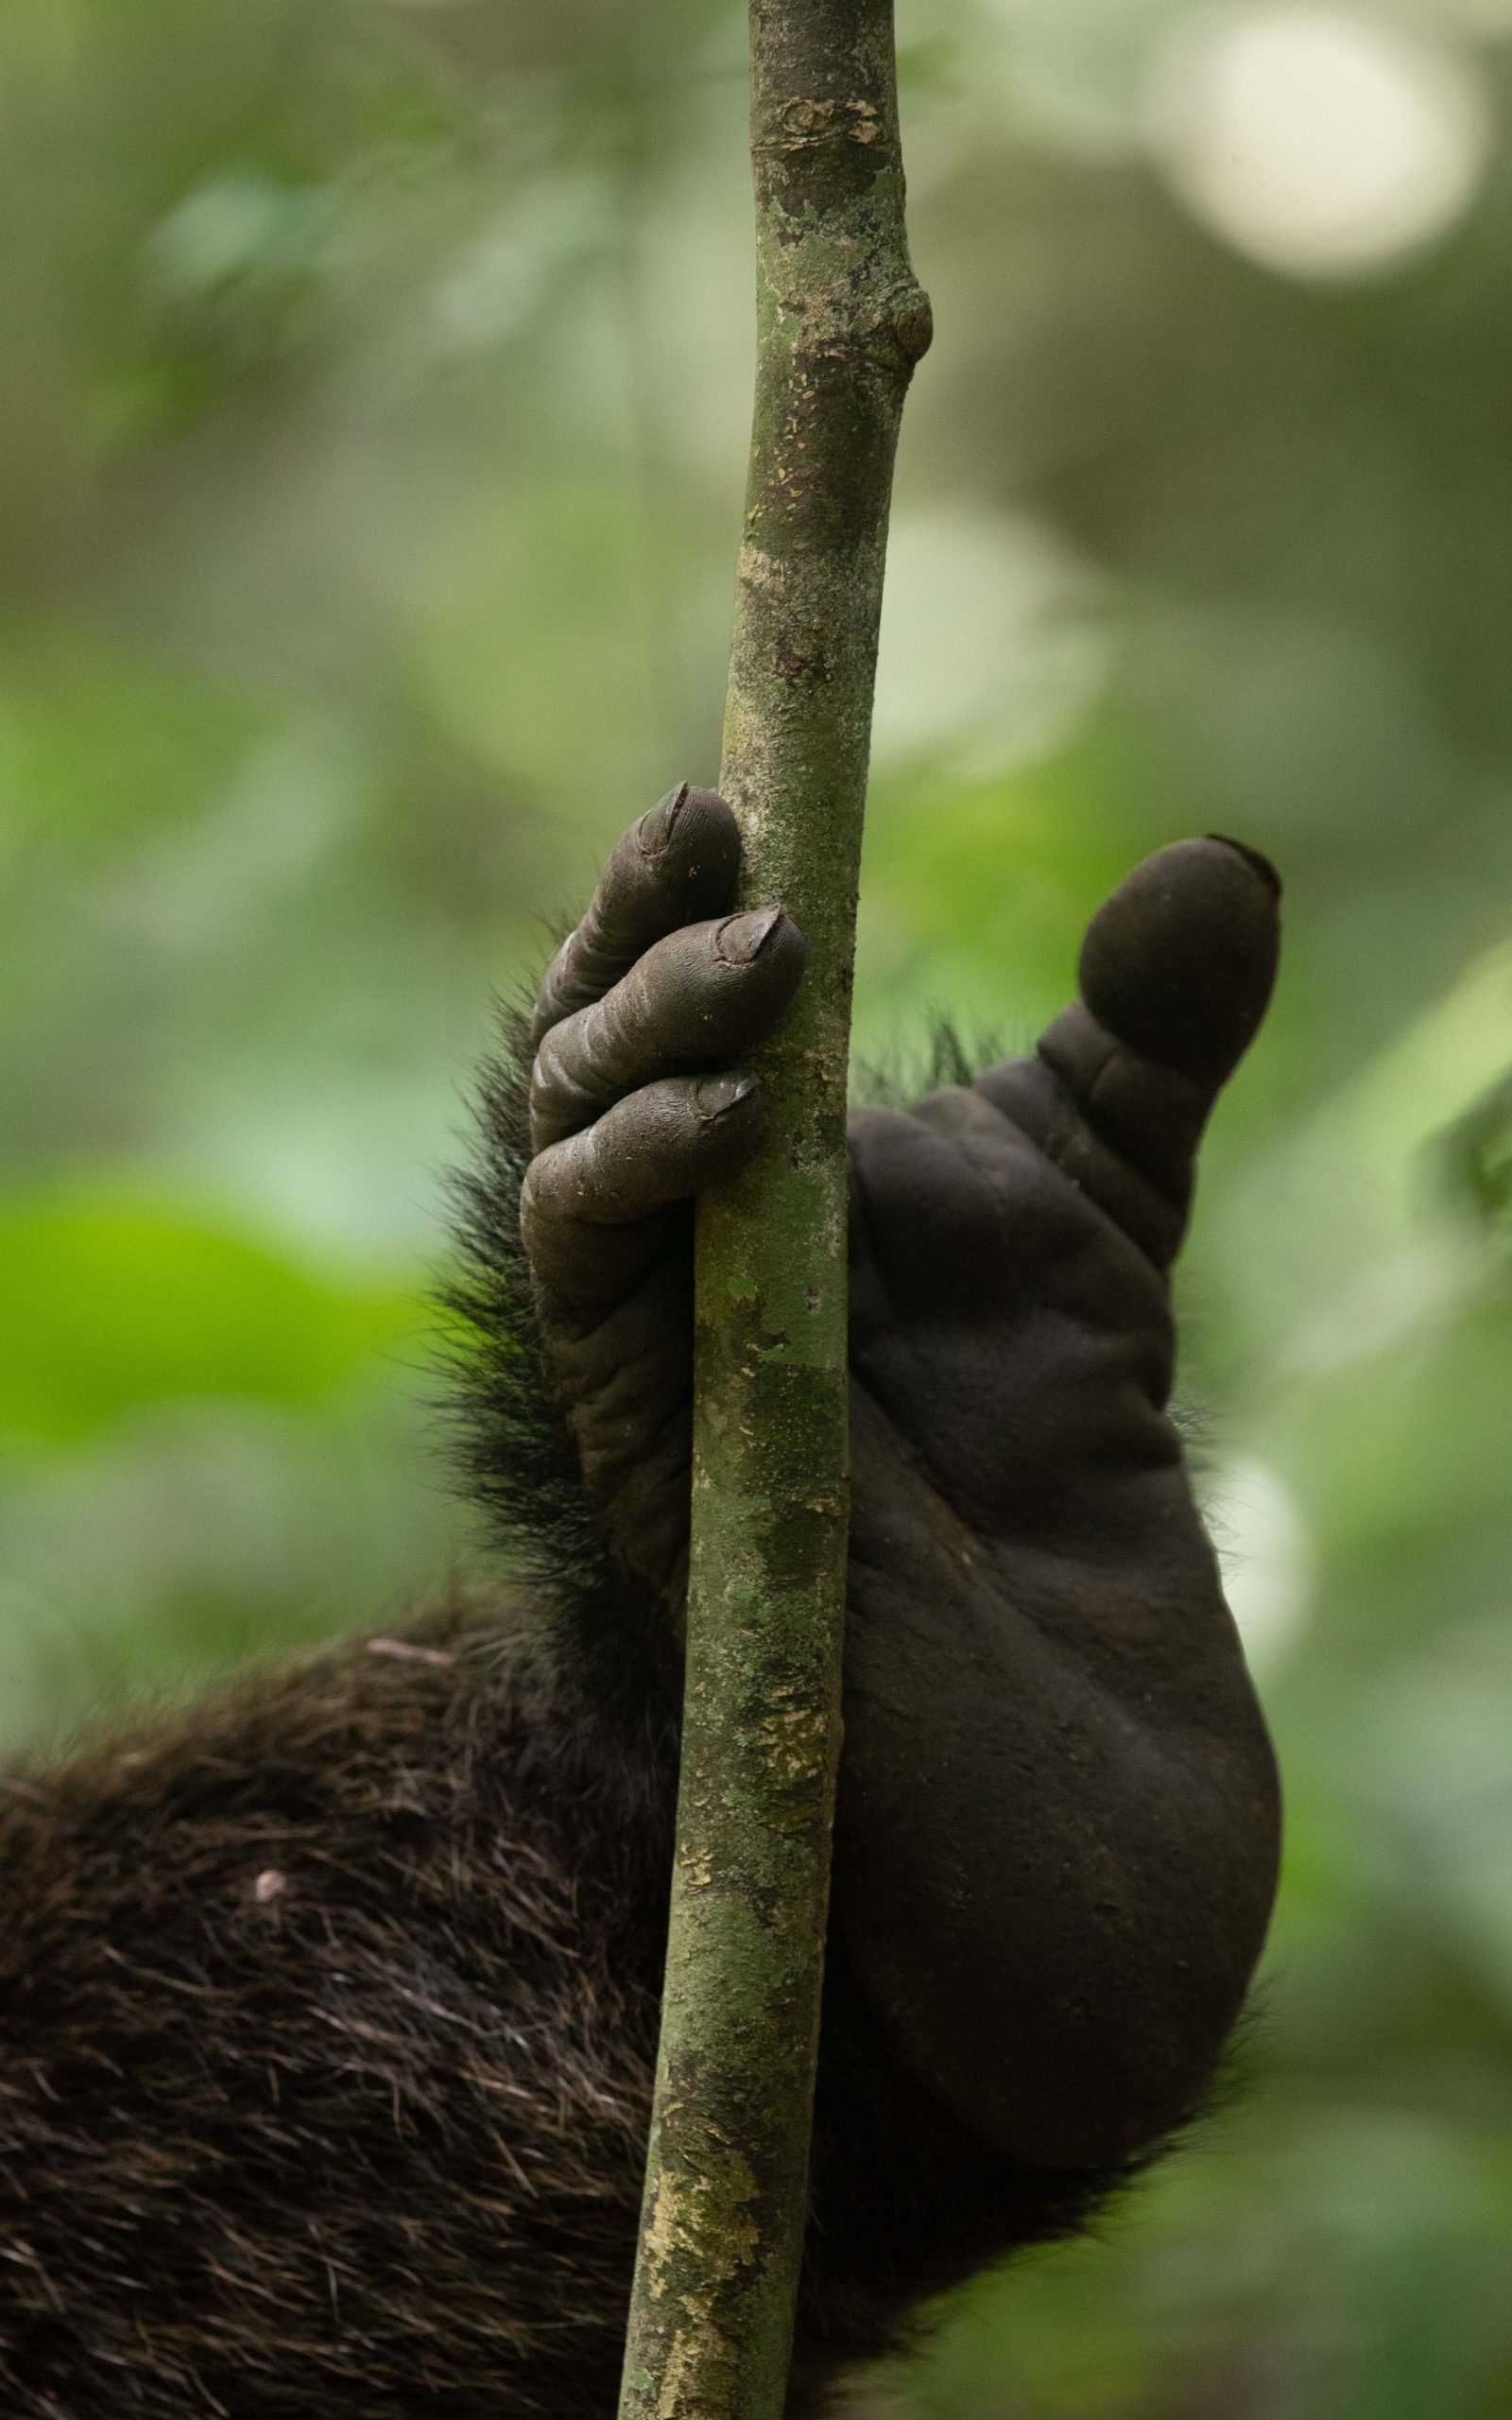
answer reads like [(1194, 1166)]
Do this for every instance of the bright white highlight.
[(1319, 143), (1267, 1557)]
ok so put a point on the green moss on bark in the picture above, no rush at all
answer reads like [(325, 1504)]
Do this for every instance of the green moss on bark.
[(841, 322)]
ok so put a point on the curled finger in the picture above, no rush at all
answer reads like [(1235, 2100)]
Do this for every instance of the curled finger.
[(705, 993), (677, 865), (589, 1210)]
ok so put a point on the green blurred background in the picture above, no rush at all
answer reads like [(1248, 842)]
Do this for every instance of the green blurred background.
[(372, 414)]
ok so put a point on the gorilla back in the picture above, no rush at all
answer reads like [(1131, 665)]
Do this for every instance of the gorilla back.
[(328, 2007)]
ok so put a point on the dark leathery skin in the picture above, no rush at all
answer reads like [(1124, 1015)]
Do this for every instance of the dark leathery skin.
[(1058, 1831), (696, 995), (623, 1143), (679, 863)]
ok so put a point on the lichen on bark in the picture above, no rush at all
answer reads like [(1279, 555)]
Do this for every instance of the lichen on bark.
[(841, 322)]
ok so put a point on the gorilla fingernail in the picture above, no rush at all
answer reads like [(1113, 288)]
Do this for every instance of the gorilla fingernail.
[(1253, 858), (716, 1095), (657, 821), (740, 938)]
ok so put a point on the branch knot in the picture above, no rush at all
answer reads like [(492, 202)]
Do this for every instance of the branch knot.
[(804, 125)]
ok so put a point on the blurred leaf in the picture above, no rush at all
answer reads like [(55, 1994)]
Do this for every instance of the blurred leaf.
[(98, 741), (107, 1304), (1477, 1157)]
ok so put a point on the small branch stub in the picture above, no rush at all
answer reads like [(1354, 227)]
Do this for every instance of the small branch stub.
[(841, 324)]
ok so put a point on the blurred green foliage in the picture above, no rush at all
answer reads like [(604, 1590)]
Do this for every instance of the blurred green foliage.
[(372, 420)]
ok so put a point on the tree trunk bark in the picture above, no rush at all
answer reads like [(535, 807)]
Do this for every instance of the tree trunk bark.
[(841, 324)]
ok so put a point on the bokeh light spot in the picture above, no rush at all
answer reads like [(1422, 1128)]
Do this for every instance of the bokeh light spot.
[(1316, 142)]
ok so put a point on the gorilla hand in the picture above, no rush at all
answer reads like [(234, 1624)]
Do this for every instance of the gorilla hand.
[(656, 982), (1058, 1826), (1058, 1812)]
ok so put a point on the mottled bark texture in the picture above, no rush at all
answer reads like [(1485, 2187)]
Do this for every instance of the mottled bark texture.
[(841, 323)]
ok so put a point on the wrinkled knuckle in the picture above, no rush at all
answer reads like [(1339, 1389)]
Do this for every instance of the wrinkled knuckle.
[(559, 1101), (535, 1207)]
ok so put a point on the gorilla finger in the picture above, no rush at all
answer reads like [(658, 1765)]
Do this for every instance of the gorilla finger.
[(677, 865), (705, 993), (1180, 962), (588, 1206), (1176, 970)]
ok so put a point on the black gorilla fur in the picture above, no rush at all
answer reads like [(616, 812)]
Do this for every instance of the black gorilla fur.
[(328, 2008)]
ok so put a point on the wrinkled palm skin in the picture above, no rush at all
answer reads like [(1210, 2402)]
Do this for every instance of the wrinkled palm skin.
[(1057, 1829)]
